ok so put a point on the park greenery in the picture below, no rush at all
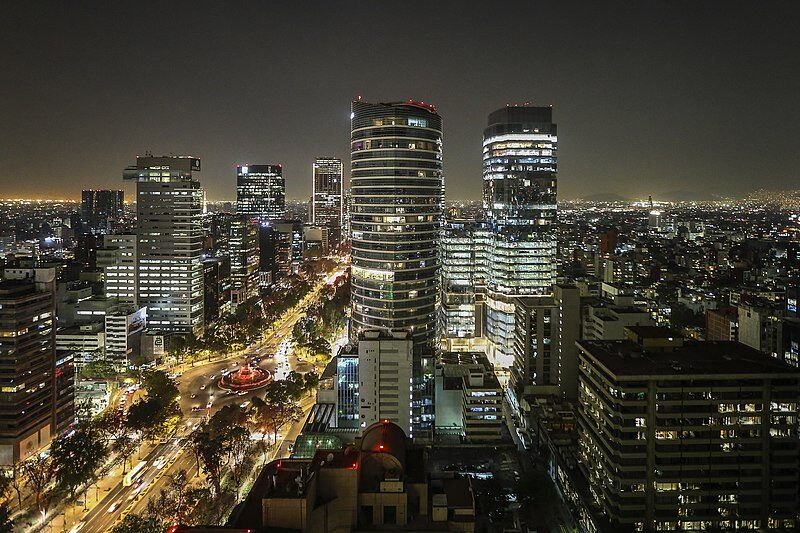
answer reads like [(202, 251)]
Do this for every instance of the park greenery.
[(242, 327), (314, 333)]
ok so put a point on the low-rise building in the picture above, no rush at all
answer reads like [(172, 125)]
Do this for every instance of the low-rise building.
[(379, 483)]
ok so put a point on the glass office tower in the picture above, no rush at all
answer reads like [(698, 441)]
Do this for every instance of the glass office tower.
[(169, 241), (326, 204), (396, 208), (261, 192), (519, 197)]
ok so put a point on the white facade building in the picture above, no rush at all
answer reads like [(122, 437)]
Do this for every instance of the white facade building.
[(117, 258), (385, 366)]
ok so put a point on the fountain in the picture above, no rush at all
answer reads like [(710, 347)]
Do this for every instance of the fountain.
[(246, 378)]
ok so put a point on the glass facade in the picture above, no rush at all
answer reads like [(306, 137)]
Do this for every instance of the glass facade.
[(397, 188), (243, 253), (326, 205), (347, 391), (261, 192), (519, 197), (463, 252)]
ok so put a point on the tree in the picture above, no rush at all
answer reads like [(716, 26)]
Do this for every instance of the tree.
[(280, 407), (238, 446), (6, 524), (76, 457), (145, 416), (175, 501), (18, 481), (39, 471), (111, 425), (160, 387), (99, 369), (124, 446), (294, 385), (311, 381), (210, 450), (134, 523)]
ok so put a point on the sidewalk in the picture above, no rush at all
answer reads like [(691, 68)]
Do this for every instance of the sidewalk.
[(74, 513)]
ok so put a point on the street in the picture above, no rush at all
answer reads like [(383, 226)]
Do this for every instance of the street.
[(200, 396)]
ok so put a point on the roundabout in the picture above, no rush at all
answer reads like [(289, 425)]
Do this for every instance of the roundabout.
[(247, 378)]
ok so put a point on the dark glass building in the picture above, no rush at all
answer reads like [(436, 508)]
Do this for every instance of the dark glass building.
[(397, 189), (261, 192), (101, 207)]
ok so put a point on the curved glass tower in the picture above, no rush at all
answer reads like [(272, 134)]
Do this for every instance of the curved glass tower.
[(397, 189), (519, 197)]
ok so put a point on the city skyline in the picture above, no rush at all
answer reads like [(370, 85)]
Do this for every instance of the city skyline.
[(655, 81)]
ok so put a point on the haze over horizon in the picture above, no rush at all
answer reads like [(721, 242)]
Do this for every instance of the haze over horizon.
[(648, 98)]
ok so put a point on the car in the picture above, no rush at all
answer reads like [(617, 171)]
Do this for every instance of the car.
[(208, 405), (196, 409), (113, 507), (77, 527), (194, 396), (202, 387)]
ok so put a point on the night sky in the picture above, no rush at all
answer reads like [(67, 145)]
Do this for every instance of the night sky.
[(649, 97)]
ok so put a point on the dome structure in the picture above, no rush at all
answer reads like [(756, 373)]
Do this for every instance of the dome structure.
[(383, 454)]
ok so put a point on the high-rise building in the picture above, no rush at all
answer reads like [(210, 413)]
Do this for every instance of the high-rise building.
[(681, 435), (519, 197), (170, 235), (118, 259), (545, 360), (261, 192), (462, 251), (243, 243), (216, 287), (28, 371), (288, 247), (101, 207), (326, 197), (397, 190)]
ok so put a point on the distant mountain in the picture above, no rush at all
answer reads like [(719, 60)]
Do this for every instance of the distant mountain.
[(688, 196), (604, 197)]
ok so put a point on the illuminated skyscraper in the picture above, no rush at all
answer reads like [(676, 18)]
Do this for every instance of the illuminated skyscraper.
[(519, 197), (397, 190), (36, 404), (326, 198), (169, 233), (462, 252), (261, 192)]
